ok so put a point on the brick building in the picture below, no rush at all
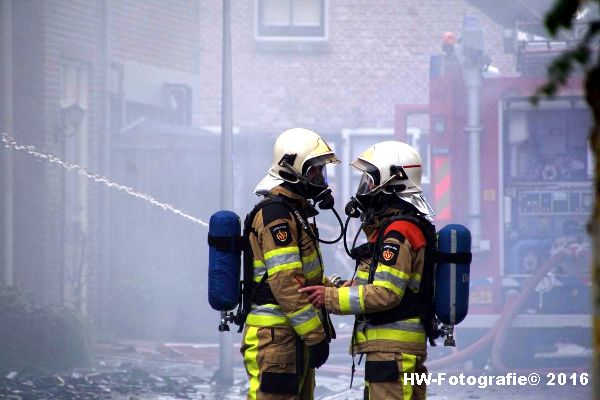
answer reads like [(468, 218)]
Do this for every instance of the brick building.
[(367, 57), (106, 83), (62, 65)]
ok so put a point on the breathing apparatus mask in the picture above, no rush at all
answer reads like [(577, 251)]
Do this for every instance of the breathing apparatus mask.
[(373, 199), (312, 184)]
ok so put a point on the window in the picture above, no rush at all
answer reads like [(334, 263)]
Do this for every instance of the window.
[(291, 19)]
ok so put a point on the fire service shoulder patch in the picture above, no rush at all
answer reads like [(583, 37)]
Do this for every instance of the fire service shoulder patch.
[(281, 234), (389, 253)]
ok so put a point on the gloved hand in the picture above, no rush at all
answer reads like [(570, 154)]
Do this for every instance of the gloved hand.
[(318, 354)]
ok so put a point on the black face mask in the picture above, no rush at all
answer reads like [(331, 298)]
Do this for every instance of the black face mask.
[(324, 200), (309, 192), (372, 202)]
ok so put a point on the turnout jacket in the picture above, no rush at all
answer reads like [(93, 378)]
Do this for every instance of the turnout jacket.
[(291, 260), (399, 269)]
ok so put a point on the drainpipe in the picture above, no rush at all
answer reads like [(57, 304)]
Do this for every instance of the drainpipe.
[(473, 129), (8, 164), (225, 372), (473, 62), (106, 151)]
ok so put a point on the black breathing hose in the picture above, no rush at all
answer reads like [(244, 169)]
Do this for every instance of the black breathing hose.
[(342, 233), (349, 251)]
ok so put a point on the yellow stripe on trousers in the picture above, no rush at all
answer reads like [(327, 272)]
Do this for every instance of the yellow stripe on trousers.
[(409, 362), (251, 362)]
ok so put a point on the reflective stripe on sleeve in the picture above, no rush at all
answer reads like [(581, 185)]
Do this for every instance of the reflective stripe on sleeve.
[(362, 277), (304, 320), (415, 282), (388, 285), (311, 265), (351, 299), (391, 278), (283, 259), (259, 270)]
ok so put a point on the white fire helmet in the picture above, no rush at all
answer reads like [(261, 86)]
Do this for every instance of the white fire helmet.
[(299, 156), (391, 167)]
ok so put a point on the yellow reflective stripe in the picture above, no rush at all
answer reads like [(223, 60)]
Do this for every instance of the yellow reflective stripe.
[(266, 320), (308, 326), (390, 286), (344, 299), (313, 274), (281, 251), (267, 309), (390, 334), (300, 311), (251, 362), (266, 315), (304, 320), (415, 282), (291, 250), (362, 275), (285, 267), (393, 271), (311, 266), (409, 362), (310, 257), (351, 299), (259, 270), (361, 298)]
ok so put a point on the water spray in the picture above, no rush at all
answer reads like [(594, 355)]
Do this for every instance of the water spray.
[(11, 143)]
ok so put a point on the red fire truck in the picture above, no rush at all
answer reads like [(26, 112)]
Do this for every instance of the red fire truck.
[(519, 176)]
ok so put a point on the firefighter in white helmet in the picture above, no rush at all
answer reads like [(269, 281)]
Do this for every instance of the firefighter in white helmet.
[(286, 337), (391, 296)]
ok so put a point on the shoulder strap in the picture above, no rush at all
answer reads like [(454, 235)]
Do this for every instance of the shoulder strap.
[(249, 287)]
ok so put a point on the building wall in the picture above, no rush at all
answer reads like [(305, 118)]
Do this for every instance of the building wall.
[(30, 215), (163, 33), (377, 55), (47, 36)]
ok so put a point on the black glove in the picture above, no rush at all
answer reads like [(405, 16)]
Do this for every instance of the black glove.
[(318, 354)]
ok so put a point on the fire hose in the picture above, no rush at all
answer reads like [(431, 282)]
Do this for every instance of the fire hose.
[(497, 335)]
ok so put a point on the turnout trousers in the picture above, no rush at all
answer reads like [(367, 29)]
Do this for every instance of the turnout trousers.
[(385, 376), (276, 361)]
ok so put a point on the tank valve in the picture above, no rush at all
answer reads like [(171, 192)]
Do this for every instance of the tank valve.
[(226, 318), (448, 333)]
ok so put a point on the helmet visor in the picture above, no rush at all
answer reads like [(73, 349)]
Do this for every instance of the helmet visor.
[(317, 175), (366, 184)]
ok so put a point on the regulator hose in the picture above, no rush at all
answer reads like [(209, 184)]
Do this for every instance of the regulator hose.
[(315, 237)]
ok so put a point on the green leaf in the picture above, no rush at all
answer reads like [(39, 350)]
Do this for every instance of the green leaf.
[(561, 15), (581, 54)]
